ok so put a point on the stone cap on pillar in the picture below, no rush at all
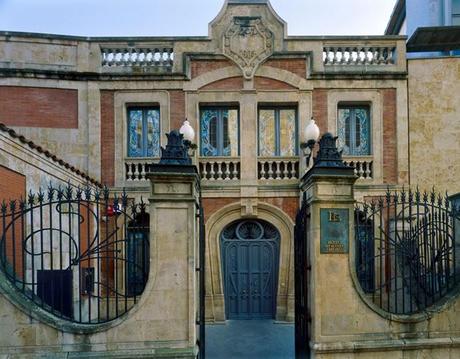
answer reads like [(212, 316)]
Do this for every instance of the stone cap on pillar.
[(328, 161)]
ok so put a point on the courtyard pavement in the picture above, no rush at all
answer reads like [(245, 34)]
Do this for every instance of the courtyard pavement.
[(250, 339)]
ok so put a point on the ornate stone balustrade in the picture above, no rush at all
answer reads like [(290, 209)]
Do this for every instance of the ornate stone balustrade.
[(278, 168), (162, 57), (219, 168), (359, 55), (135, 169), (363, 166)]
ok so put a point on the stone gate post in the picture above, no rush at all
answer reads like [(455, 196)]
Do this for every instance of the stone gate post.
[(174, 201), (329, 193)]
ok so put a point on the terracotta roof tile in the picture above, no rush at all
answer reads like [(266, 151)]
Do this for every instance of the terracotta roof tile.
[(48, 154)]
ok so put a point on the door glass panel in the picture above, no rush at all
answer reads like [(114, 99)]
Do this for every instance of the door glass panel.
[(153, 133), (267, 140), (288, 133), (362, 146), (135, 139), (209, 120), (343, 130), (230, 133)]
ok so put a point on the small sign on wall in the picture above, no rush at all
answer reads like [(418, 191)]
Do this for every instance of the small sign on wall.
[(334, 230)]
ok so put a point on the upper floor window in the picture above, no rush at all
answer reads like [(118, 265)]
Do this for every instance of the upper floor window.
[(143, 132), (219, 131), (353, 130), (455, 12), (277, 131)]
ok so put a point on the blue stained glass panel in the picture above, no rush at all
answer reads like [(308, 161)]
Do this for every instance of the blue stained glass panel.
[(219, 132), (143, 132), (209, 133), (135, 132), (353, 131)]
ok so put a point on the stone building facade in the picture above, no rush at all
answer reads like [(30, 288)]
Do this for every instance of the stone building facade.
[(249, 90)]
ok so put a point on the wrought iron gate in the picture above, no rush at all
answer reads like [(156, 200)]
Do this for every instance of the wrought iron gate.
[(302, 280), (407, 246), (81, 254), (201, 340)]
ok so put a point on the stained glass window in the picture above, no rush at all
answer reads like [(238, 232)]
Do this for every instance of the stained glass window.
[(143, 132), (219, 132), (277, 132), (353, 130)]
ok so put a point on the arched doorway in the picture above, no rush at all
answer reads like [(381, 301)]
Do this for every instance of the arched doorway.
[(250, 261)]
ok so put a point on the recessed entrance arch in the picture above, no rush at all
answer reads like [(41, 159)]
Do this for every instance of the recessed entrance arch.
[(250, 262)]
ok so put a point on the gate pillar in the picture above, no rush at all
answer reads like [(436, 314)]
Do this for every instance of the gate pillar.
[(174, 204), (328, 191)]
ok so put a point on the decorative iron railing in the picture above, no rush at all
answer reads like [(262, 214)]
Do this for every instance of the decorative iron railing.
[(406, 258), (80, 254)]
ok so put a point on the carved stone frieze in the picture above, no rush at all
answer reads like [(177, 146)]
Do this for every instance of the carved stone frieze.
[(248, 42)]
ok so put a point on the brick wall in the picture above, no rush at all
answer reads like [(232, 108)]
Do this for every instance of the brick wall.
[(177, 109), (38, 107), (12, 187), (231, 83), (390, 159), (296, 66), (288, 205), (265, 83), (212, 205), (319, 109), (199, 67), (107, 138)]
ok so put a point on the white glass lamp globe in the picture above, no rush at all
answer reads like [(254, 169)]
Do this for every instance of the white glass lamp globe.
[(311, 132), (187, 131)]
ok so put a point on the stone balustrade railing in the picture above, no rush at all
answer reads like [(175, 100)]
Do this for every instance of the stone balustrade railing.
[(135, 169), (363, 166), (219, 168), (278, 168), (359, 55), (162, 57)]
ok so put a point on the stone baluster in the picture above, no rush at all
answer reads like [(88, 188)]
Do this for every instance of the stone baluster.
[(262, 171), (286, 171), (293, 169), (212, 173), (278, 170), (129, 173), (227, 170), (270, 169), (235, 170), (219, 170), (337, 52), (142, 176)]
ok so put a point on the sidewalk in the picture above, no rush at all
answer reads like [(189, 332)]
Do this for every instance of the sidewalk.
[(250, 339)]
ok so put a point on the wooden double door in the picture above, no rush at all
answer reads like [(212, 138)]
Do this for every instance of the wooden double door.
[(250, 256)]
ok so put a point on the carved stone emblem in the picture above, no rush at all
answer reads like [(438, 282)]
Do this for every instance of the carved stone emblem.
[(248, 42)]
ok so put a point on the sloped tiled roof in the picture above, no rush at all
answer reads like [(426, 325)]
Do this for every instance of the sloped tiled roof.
[(12, 133)]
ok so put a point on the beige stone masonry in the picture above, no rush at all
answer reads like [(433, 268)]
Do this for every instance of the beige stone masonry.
[(344, 323)]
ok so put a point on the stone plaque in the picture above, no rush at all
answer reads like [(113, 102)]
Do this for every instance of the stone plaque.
[(248, 42), (334, 230)]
